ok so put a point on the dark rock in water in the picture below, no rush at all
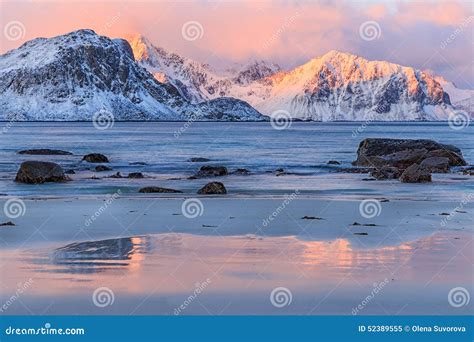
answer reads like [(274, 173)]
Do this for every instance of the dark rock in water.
[(151, 189), (333, 162), (135, 175), (37, 172), (402, 153), (241, 172), (198, 160), (211, 171), (45, 151), (356, 224), (415, 174), (356, 169), (117, 175), (138, 163), (95, 158), (9, 223), (368, 179), (386, 172), (101, 168), (436, 164), (361, 234), (311, 218), (213, 188), (70, 172), (468, 170)]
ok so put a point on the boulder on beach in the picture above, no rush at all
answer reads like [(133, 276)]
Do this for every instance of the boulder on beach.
[(198, 160), (136, 175), (211, 171), (402, 153), (151, 189), (386, 172), (95, 158), (37, 172), (45, 151), (101, 168), (333, 162), (243, 172), (415, 174), (213, 188), (436, 164)]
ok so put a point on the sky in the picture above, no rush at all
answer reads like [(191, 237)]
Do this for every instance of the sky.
[(428, 35)]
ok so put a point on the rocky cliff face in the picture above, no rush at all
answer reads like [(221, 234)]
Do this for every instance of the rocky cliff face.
[(73, 76)]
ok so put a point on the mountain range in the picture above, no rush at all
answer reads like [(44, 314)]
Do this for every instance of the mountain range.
[(74, 76)]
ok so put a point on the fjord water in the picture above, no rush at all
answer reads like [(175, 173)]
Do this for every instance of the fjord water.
[(302, 150), (150, 257)]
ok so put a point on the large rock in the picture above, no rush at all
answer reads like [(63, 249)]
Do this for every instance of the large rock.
[(402, 153), (45, 151), (95, 158), (386, 172), (415, 174), (37, 172), (213, 188), (436, 164), (151, 189), (211, 171)]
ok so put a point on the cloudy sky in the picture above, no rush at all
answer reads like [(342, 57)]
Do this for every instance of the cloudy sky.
[(436, 35)]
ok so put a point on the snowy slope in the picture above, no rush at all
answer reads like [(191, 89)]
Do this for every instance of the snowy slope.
[(73, 76), (462, 99), (336, 86)]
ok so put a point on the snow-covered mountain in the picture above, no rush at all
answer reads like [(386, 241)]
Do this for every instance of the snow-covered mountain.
[(336, 86), (462, 99), (74, 76)]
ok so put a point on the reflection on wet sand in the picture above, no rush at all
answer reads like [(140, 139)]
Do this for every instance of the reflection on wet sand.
[(167, 265)]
